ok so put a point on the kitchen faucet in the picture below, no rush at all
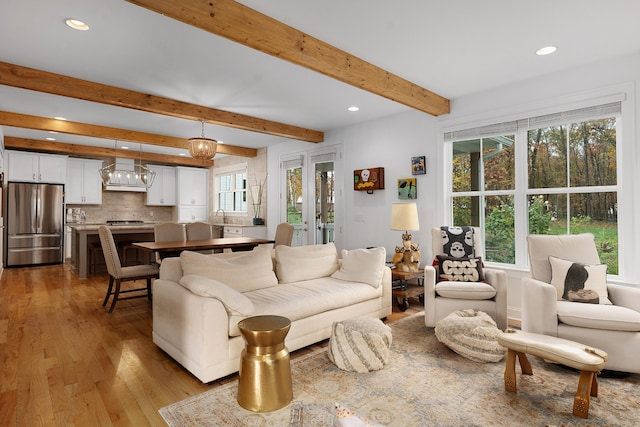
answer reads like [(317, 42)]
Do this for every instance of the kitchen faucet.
[(224, 221)]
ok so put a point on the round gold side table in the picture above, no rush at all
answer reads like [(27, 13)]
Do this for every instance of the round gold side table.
[(265, 372)]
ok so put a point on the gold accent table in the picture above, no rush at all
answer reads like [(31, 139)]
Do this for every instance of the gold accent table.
[(264, 382)]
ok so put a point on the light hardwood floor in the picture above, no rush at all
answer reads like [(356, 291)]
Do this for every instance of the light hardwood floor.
[(66, 361)]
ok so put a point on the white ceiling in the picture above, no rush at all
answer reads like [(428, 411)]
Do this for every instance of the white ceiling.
[(453, 48)]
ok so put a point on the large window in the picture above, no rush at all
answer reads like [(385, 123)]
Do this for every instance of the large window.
[(554, 174), (231, 190)]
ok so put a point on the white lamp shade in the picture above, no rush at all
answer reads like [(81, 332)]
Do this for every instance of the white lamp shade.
[(404, 217)]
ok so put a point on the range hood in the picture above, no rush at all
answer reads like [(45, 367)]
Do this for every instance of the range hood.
[(126, 175)]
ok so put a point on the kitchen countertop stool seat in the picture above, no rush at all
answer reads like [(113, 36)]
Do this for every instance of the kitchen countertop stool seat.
[(96, 255), (126, 249)]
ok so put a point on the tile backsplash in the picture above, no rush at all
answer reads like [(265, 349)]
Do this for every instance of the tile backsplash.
[(125, 205)]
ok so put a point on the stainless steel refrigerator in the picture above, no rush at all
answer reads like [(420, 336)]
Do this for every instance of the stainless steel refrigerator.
[(34, 224)]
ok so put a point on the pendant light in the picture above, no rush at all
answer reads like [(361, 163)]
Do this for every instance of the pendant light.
[(126, 173), (201, 147)]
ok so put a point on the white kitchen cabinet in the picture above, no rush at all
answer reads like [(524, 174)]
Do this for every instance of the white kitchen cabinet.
[(193, 186), (258, 232), (193, 193), (192, 213), (36, 167), (163, 190), (84, 184)]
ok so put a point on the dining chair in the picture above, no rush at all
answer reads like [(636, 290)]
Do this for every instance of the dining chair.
[(284, 234), (119, 274), (168, 232), (199, 231)]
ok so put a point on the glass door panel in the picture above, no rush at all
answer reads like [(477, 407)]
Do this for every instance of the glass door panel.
[(295, 206), (324, 202)]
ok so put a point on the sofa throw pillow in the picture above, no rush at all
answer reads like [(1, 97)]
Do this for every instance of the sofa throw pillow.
[(569, 276), (234, 302), (458, 242), (362, 265), (296, 263), (248, 271), (460, 269)]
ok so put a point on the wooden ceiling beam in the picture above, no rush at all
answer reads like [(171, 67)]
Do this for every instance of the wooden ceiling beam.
[(77, 150), (57, 84), (234, 21), (74, 128)]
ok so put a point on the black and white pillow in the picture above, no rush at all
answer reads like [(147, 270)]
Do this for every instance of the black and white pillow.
[(460, 269), (458, 242), (568, 276)]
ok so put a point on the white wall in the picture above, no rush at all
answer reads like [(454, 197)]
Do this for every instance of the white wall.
[(391, 142)]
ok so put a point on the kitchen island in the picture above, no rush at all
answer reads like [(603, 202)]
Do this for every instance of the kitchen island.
[(85, 235)]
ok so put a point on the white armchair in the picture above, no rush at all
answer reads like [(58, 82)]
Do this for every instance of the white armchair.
[(613, 328), (443, 298)]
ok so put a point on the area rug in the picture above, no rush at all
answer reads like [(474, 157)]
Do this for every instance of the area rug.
[(424, 384)]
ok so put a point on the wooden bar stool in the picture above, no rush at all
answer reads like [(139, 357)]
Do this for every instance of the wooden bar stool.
[(95, 255)]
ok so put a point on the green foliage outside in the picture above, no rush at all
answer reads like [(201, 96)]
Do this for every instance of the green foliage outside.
[(500, 239)]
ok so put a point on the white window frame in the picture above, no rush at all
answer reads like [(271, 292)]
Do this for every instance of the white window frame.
[(625, 165), (230, 170)]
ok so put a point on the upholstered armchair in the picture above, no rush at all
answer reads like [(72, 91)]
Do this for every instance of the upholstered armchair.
[(614, 328), (444, 297)]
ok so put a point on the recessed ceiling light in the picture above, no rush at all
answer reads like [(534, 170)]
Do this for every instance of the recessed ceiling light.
[(220, 142), (52, 131), (76, 24), (546, 50), (59, 118), (50, 139), (183, 154), (124, 147), (353, 108)]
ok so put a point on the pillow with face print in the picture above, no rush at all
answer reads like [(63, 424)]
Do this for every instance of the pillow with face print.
[(457, 242)]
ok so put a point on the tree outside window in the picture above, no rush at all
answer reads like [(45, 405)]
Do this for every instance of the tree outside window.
[(571, 186)]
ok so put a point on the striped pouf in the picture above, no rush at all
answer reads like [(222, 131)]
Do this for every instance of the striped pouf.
[(472, 334), (360, 345)]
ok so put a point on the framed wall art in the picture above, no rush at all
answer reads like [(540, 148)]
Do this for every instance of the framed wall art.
[(418, 165), (368, 179), (407, 189)]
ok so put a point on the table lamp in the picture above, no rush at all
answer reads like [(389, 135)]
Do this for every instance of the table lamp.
[(404, 216)]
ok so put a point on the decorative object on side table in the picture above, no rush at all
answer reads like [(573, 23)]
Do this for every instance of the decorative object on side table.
[(256, 200), (404, 216)]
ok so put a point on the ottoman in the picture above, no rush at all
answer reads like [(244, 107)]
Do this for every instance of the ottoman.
[(590, 361), (472, 334), (360, 345)]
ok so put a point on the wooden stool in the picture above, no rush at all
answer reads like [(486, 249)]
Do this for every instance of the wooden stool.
[(264, 382), (127, 248), (95, 254), (590, 361)]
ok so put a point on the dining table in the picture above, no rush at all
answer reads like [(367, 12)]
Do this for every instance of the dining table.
[(169, 249)]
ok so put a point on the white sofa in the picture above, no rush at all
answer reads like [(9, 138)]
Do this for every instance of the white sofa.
[(199, 299)]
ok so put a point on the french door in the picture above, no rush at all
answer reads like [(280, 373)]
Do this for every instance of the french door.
[(309, 197)]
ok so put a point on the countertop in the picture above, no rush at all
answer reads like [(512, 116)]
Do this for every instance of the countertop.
[(88, 226)]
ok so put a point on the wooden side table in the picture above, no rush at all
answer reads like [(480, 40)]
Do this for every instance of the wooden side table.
[(402, 290)]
